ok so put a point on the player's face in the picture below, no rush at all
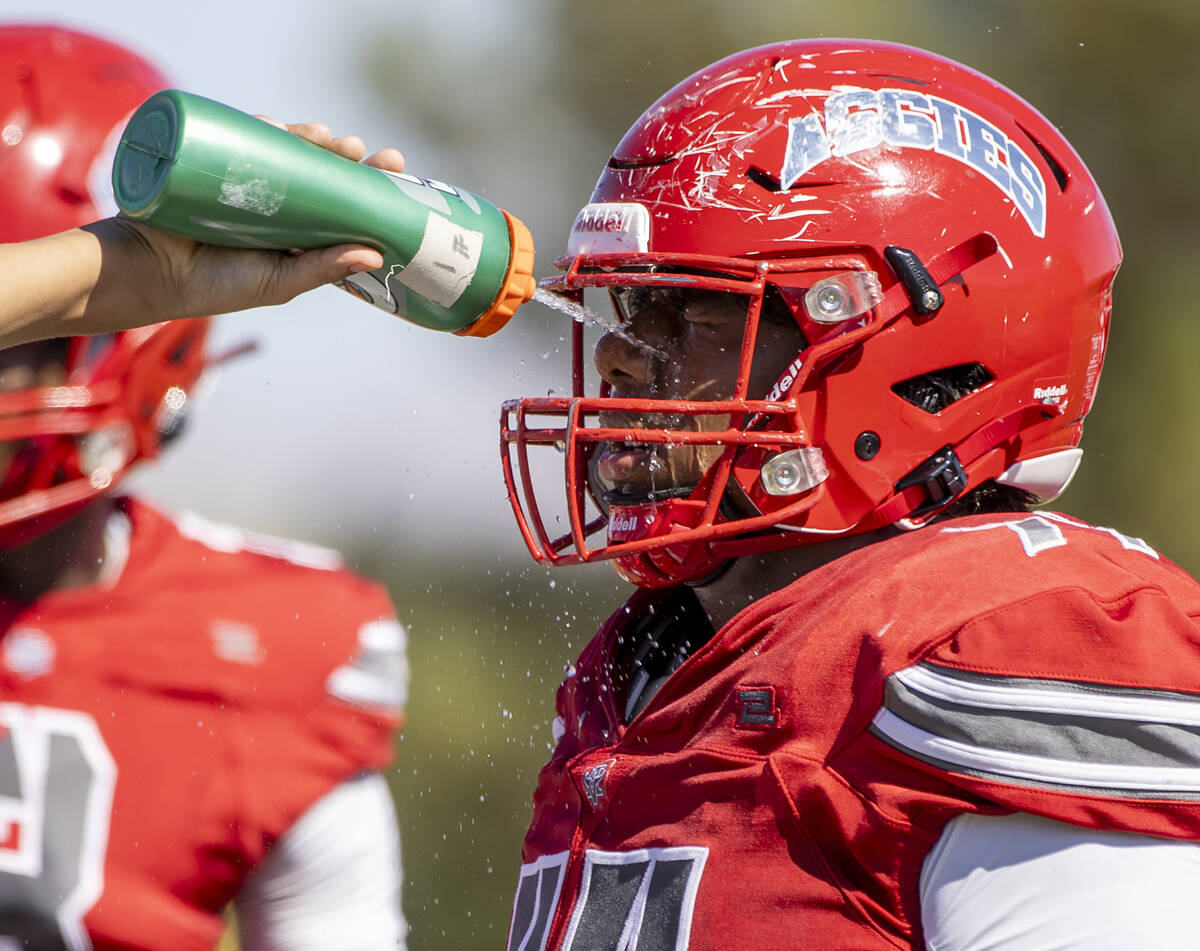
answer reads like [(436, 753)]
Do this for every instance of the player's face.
[(24, 367), (684, 345)]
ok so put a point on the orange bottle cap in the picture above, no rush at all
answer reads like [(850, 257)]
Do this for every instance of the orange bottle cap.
[(518, 286)]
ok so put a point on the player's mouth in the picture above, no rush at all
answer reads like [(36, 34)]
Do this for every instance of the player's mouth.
[(633, 473), (627, 464), (630, 472)]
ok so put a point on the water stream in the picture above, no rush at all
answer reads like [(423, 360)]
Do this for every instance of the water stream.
[(577, 311)]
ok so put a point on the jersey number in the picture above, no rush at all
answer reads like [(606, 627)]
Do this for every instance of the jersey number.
[(641, 900), (56, 791)]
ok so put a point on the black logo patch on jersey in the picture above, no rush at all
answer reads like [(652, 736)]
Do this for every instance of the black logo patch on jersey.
[(756, 708)]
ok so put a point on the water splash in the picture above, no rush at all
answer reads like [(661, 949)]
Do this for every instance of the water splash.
[(577, 311)]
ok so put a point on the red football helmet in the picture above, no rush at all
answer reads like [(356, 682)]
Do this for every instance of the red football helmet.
[(920, 222), (64, 98)]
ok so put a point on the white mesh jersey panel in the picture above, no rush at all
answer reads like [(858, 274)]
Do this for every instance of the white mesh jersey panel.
[(1024, 883), (332, 883)]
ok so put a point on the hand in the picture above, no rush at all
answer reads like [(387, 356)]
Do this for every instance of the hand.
[(194, 279), (117, 273)]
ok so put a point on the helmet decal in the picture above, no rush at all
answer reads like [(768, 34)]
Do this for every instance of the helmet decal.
[(861, 119), (610, 226)]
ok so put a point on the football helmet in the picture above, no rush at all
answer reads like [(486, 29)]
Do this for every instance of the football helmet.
[(928, 231), (64, 98)]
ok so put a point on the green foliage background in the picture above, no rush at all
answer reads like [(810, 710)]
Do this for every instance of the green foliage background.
[(529, 113)]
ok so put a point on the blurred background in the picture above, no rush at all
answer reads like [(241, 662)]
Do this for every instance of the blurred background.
[(362, 432)]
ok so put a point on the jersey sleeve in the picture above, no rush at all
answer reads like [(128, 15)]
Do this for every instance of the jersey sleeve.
[(1065, 705), (364, 693), (324, 706)]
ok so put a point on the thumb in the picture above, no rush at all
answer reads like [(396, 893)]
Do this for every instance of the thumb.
[(311, 269)]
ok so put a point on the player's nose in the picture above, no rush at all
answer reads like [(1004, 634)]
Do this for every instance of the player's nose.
[(622, 363)]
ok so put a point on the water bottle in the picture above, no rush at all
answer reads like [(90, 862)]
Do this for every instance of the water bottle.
[(198, 168)]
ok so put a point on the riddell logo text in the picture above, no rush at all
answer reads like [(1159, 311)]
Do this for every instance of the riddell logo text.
[(625, 523), (596, 221), (1050, 394), (785, 381)]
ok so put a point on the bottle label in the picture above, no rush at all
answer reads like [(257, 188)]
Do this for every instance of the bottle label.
[(429, 191), (444, 264)]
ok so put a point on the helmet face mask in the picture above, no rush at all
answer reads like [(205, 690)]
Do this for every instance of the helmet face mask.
[(679, 348), (75, 414), (693, 393), (944, 254)]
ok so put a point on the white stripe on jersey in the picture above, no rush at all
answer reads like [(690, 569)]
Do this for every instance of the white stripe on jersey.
[(1027, 730), (1019, 695)]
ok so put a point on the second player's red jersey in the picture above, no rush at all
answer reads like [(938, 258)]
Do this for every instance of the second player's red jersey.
[(784, 786), (158, 735)]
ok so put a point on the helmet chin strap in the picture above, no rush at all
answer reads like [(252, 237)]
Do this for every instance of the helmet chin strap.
[(918, 283)]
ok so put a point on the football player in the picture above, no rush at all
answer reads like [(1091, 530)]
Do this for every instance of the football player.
[(865, 697), (189, 714)]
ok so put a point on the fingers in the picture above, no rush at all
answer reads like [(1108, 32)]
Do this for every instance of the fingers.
[(390, 160), (350, 259), (351, 146), (316, 132)]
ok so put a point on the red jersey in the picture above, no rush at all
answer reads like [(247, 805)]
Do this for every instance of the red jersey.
[(158, 735), (784, 786)]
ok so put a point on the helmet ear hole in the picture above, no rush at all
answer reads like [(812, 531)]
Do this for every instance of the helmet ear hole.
[(762, 179), (70, 196), (179, 353), (933, 392)]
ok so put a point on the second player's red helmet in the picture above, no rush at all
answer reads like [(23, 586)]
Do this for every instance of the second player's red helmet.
[(922, 224), (64, 97)]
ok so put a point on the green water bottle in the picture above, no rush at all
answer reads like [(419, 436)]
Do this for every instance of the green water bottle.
[(451, 260)]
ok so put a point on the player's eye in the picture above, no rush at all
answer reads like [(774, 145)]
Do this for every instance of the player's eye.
[(629, 301)]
